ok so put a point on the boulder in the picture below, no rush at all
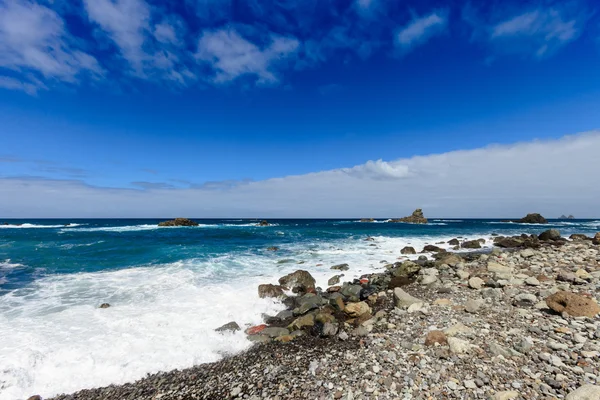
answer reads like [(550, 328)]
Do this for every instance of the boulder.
[(403, 299), (178, 222), (274, 332), (36, 397), (573, 304), (268, 290), (408, 250), (263, 223), (596, 239), (406, 269), (534, 218), (307, 320), (416, 218), (585, 392), (255, 330), (579, 237), (471, 244), (354, 310), (229, 327), (550, 234), (450, 259), (432, 249), (104, 305), (453, 242), (299, 281)]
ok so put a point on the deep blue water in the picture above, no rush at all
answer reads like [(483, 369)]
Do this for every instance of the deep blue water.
[(52, 246)]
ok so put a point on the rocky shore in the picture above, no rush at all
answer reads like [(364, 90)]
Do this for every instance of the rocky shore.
[(519, 322)]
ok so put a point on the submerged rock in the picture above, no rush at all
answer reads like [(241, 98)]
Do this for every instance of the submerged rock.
[(263, 223), (432, 249), (178, 222), (341, 267), (104, 305), (229, 327), (471, 244), (416, 218)]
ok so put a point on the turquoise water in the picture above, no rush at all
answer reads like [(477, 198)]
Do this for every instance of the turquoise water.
[(169, 288)]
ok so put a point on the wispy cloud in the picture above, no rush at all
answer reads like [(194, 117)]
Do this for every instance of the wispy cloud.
[(421, 29), (538, 32), (443, 184), (231, 56), (35, 43)]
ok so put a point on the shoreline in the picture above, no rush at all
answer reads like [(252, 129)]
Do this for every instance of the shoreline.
[(310, 363)]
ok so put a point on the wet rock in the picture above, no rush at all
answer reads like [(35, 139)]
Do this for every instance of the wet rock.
[(454, 242), (307, 320), (341, 267), (579, 237), (299, 281), (367, 220), (178, 222), (259, 338), (408, 250), (471, 244), (36, 397), (255, 330), (351, 292), (268, 290), (432, 249), (334, 280), (416, 218), (434, 337), (104, 305), (274, 332), (573, 304), (406, 269), (229, 327), (550, 234), (263, 223), (273, 248)]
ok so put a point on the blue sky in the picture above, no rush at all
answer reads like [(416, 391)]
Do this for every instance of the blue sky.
[(212, 95)]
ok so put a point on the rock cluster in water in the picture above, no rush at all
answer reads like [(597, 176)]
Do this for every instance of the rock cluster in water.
[(416, 218), (179, 222)]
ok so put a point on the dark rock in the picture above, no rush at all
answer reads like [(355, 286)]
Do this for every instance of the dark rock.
[(263, 223), (533, 219), (273, 248), (229, 327), (299, 281), (406, 269), (596, 239), (334, 280), (341, 267), (268, 290), (367, 220), (309, 302), (351, 292), (432, 249), (408, 250), (104, 305), (416, 218), (471, 244), (551, 234), (36, 397), (453, 242), (179, 222)]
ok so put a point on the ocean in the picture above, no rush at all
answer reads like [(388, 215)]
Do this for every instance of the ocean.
[(169, 288)]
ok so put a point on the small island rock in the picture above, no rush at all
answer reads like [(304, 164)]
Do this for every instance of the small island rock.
[(179, 222)]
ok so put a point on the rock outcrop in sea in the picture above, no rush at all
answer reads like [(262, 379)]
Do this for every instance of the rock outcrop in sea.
[(367, 220), (534, 218), (179, 222), (416, 218)]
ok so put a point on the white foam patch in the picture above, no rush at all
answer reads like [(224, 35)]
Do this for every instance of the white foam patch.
[(37, 226), (55, 339)]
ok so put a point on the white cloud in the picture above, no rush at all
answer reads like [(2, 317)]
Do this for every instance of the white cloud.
[(551, 177), (419, 30), (232, 56), (539, 32), (35, 43)]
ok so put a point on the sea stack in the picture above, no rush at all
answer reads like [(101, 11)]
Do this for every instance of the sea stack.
[(416, 218), (179, 222), (534, 218)]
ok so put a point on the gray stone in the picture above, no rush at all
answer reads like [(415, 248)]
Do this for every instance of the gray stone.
[(476, 283), (403, 299), (585, 392)]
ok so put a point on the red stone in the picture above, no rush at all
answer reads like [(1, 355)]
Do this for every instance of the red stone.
[(255, 330), (364, 281)]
